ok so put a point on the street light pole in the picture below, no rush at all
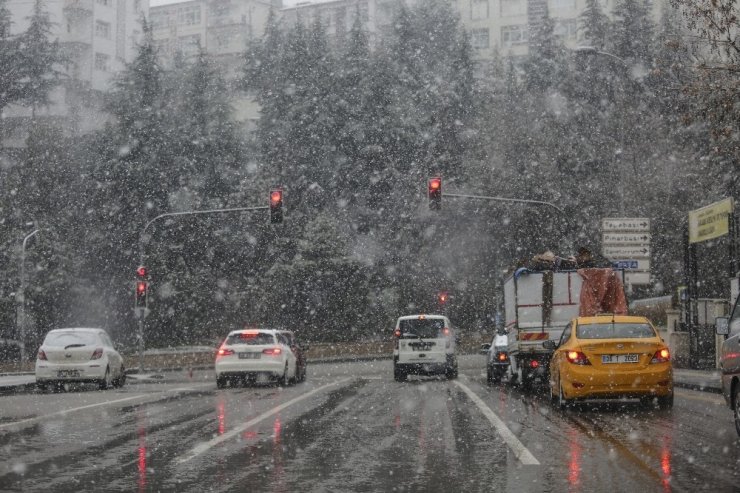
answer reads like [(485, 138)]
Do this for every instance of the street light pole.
[(21, 297), (142, 259)]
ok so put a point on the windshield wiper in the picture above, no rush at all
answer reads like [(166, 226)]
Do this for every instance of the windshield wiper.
[(74, 345)]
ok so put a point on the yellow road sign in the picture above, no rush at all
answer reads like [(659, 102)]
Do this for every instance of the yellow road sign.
[(711, 221)]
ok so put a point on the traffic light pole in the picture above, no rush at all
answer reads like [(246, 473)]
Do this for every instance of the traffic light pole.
[(504, 199), (142, 258)]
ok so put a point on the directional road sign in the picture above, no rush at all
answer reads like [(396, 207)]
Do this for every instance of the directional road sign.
[(626, 238), (626, 252), (627, 224)]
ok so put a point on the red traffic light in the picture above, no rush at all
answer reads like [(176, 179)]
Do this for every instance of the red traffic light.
[(435, 192), (141, 288), (276, 196), (276, 205), (443, 297), (142, 271)]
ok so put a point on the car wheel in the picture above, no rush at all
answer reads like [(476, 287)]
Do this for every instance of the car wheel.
[(106, 382), (122, 377), (736, 405), (303, 373), (399, 375), (284, 381), (220, 383), (497, 376), (563, 403), (44, 387), (451, 372), (489, 375), (666, 401)]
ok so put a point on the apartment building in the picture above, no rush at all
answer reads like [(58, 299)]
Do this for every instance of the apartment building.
[(99, 37)]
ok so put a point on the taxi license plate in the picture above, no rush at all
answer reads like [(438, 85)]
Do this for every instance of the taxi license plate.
[(620, 358), (68, 373), (249, 355)]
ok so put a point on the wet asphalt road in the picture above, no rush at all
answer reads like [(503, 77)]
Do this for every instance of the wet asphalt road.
[(350, 427)]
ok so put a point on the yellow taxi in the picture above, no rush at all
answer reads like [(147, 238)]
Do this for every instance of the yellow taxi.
[(610, 356)]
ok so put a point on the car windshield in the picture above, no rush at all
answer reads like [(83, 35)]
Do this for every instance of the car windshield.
[(67, 339), (250, 339), (424, 328), (615, 331)]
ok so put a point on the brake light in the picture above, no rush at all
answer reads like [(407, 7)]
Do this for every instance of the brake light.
[(502, 357), (534, 363), (397, 333), (446, 331), (42, 355), (273, 351), (577, 358), (225, 352), (97, 354), (661, 356)]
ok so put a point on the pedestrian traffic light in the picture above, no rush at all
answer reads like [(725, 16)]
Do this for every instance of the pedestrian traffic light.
[(435, 193), (276, 205), (142, 287)]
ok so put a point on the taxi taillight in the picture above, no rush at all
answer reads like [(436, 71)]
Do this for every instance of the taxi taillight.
[(577, 358), (661, 356)]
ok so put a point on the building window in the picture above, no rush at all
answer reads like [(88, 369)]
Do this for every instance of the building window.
[(101, 62), (189, 16), (480, 39), (563, 4), (103, 2), (514, 34), (189, 45), (513, 7), (102, 29), (566, 28), (219, 9), (478, 9)]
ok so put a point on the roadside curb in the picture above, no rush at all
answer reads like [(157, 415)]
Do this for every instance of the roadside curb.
[(696, 386)]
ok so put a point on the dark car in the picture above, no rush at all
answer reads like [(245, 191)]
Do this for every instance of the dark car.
[(299, 349)]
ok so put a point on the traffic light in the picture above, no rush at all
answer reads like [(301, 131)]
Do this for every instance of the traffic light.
[(435, 193), (142, 287), (443, 297), (276, 205)]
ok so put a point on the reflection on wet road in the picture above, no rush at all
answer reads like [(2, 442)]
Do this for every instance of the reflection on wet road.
[(350, 427)]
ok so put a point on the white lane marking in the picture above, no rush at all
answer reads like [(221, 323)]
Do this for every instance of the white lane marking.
[(520, 451), (27, 421), (205, 446)]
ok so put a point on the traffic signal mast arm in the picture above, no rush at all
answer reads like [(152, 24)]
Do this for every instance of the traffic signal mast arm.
[(191, 213), (504, 199)]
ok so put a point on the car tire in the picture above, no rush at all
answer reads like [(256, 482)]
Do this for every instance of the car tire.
[(563, 402), (399, 375), (451, 372), (665, 401), (284, 381), (44, 387), (106, 382), (122, 377), (303, 373), (489, 375)]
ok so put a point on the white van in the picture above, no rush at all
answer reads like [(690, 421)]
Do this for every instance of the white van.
[(424, 345)]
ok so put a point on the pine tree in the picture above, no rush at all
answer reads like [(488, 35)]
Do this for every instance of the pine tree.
[(41, 59), (632, 31), (11, 74), (594, 24)]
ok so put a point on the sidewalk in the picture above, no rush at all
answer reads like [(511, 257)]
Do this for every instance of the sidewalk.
[(704, 380)]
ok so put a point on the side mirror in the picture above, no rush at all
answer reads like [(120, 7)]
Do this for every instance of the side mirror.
[(484, 348), (551, 345), (722, 326)]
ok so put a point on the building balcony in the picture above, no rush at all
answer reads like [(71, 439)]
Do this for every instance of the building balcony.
[(78, 7)]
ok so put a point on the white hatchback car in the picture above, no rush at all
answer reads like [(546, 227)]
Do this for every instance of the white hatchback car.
[(79, 355), (256, 355), (424, 345)]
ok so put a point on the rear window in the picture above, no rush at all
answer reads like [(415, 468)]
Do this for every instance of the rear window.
[(65, 339), (250, 339), (424, 328), (615, 331)]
